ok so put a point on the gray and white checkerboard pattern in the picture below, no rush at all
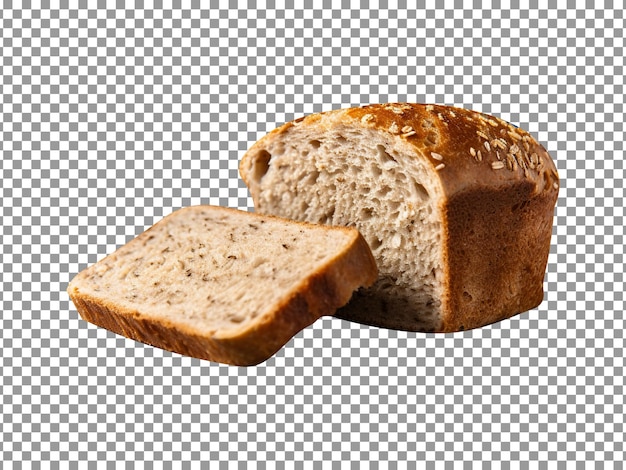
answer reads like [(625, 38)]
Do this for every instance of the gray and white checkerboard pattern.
[(113, 114)]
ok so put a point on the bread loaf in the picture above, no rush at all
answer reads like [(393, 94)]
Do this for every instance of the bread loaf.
[(456, 205), (224, 285)]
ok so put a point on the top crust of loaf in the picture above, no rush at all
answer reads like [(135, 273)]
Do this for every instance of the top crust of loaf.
[(466, 147)]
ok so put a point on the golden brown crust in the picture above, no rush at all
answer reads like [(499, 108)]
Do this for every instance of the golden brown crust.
[(474, 148), (321, 293), (499, 190), (497, 246)]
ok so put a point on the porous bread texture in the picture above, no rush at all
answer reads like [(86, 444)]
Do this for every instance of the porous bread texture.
[(456, 206), (359, 178), (222, 284)]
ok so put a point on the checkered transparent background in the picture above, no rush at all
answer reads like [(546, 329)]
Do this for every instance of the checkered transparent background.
[(113, 114)]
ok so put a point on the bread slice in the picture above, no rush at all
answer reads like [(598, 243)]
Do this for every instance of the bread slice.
[(456, 205), (221, 284)]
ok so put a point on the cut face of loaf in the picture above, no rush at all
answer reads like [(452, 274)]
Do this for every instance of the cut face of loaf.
[(223, 285), (456, 206)]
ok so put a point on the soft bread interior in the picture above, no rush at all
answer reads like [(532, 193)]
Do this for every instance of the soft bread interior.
[(372, 180), (214, 271)]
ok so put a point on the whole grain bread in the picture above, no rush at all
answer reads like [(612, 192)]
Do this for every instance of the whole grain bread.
[(221, 284), (456, 205)]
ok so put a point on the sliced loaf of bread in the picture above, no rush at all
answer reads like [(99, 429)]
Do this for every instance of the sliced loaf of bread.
[(221, 284), (457, 207)]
